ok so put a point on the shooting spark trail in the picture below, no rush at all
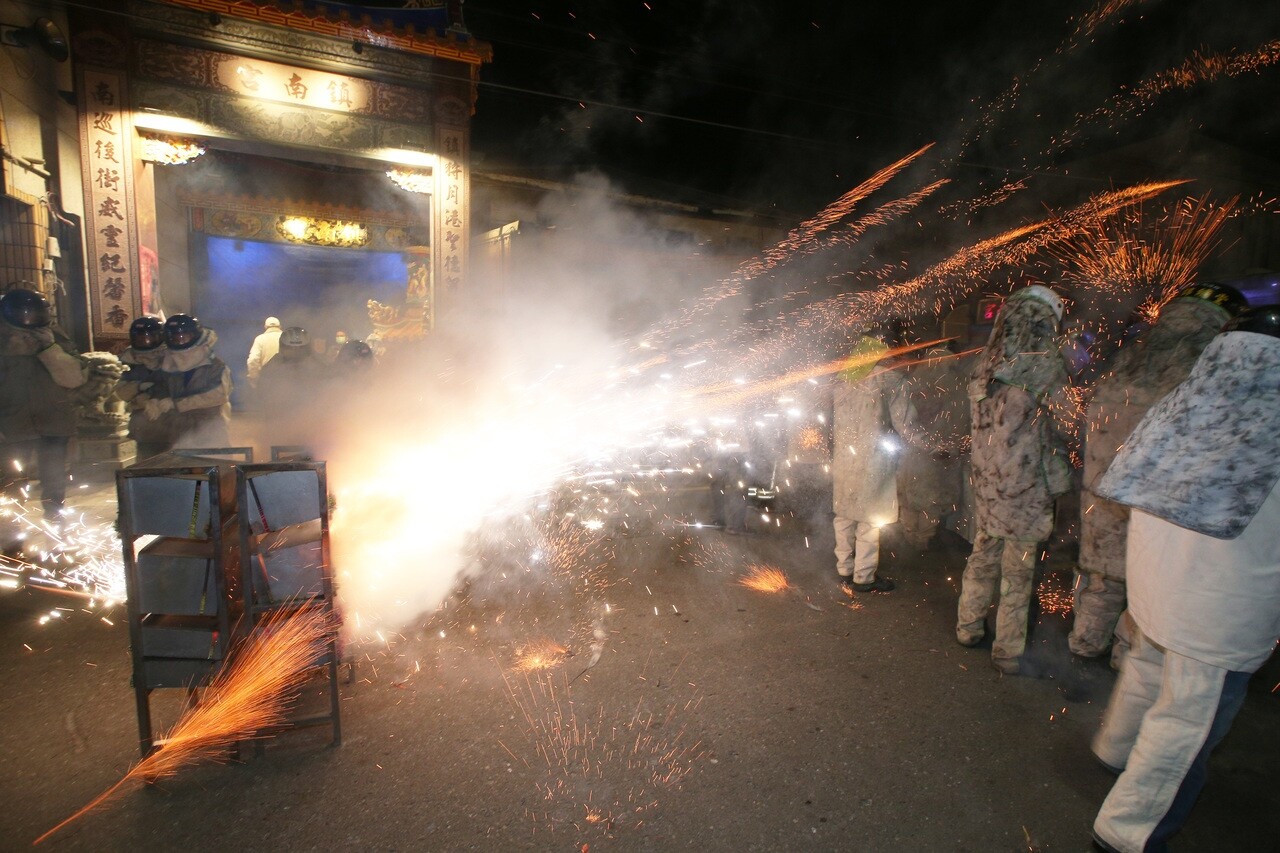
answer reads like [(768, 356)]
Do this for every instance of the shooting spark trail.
[(251, 694)]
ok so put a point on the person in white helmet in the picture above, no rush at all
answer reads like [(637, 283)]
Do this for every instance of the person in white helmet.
[(1020, 466), (265, 346)]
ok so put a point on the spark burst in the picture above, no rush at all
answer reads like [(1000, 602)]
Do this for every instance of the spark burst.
[(600, 771), (250, 695), (1152, 258), (765, 579), (76, 556), (540, 654)]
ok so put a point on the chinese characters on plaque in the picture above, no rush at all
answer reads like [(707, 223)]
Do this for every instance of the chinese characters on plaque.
[(109, 201), (450, 228), (270, 81)]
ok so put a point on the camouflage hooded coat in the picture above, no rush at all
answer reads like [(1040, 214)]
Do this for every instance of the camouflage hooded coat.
[(1146, 370), (1019, 457)]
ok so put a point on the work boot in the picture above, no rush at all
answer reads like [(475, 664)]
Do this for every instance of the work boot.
[(876, 585)]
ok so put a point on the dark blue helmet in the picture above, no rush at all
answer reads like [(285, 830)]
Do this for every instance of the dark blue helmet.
[(146, 333), (182, 331), (25, 309), (355, 353), (1263, 320)]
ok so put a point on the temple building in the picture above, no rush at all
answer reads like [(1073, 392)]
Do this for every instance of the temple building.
[(237, 159)]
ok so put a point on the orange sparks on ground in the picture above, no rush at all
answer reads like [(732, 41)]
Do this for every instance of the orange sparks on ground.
[(251, 694), (765, 579)]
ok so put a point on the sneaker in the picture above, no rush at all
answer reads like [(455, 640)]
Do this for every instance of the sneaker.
[(876, 585), (970, 642)]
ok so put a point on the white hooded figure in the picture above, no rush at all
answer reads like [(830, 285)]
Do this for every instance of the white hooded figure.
[(872, 416), (265, 346), (1199, 474)]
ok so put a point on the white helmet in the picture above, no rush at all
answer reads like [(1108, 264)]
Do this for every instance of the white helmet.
[(1049, 297)]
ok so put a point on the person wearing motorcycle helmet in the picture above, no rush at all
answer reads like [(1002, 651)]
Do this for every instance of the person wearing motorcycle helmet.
[(1201, 477), (142, 361), (1146, 369), (295, 344), (190, 403), (25, 309), (146, 334), (355, 355), (39, 370), (291, 390), (182, 331)]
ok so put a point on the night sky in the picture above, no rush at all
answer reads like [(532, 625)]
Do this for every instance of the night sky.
[(781, 107)]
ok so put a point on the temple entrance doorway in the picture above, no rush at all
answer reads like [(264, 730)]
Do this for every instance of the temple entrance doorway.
[(244, 236)]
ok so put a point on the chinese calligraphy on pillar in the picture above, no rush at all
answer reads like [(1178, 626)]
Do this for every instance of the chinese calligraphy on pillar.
[(449, 210), (111, 229)]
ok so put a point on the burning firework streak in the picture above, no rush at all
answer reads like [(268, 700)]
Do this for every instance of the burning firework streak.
[(1197, 69), (250, 695)]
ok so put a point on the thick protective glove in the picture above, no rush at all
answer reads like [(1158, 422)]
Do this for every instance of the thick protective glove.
[(157, 407)]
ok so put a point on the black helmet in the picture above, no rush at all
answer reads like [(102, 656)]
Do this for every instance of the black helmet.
[(355, 353), (1264, 320), (295, 337), (1224, 296), (182, 331), (146, 333), (25, 309)]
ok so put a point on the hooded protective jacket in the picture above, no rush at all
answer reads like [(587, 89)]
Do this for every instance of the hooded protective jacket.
[(135, 389), (39, 369), (873, 414), (1020, 461), (192, 389), (1147, 368), (1206, 456)]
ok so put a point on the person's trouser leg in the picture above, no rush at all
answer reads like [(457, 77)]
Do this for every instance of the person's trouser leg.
[(1099, 602), (1166, 767), (978, 586), (1017, 585), (867, 556), (51, 459), (1234, 689), (1122, 640), (844, 545), (918, 527), (1135, 692)]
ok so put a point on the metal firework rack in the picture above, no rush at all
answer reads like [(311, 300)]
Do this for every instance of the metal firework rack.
[(177, 526), (284, 557), (213, 544)]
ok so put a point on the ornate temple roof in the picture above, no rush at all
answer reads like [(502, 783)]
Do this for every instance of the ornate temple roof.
[(434, 30)]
